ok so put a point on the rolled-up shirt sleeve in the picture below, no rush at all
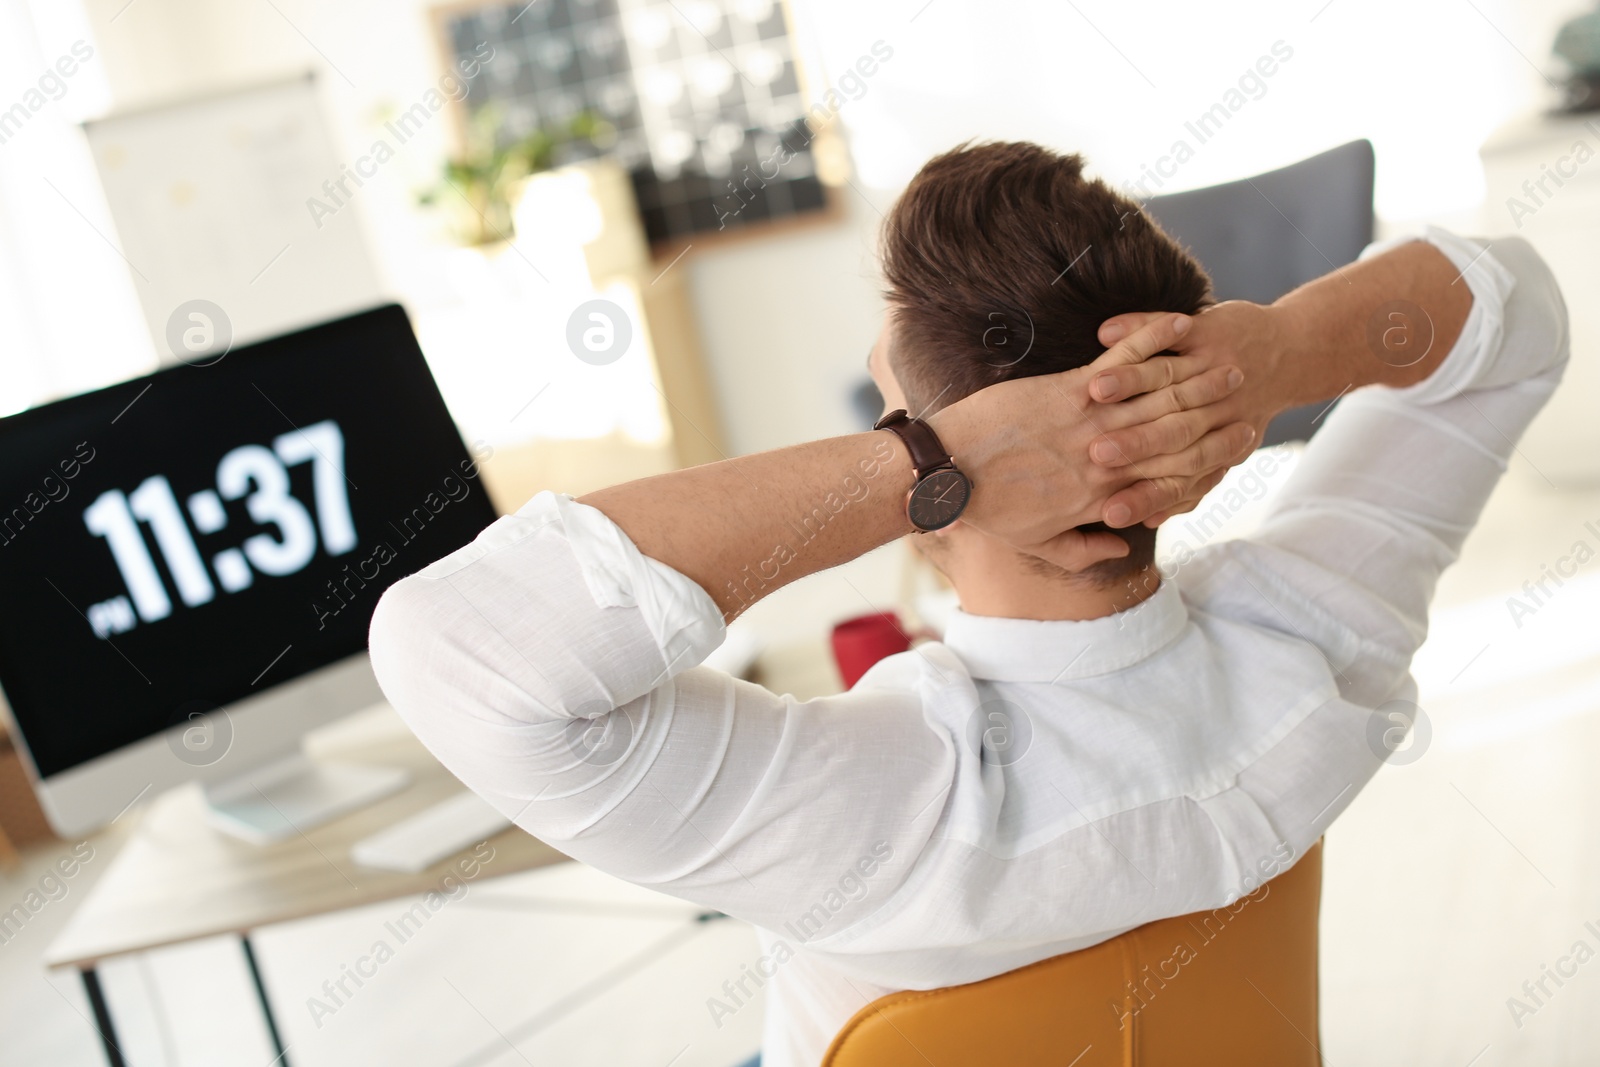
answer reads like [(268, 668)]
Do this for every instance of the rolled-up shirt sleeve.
[(552, 667), (1388, 490), (1379, 505), (529, 598)]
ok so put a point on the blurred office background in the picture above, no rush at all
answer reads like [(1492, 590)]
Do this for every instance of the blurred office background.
[(1455, 877)]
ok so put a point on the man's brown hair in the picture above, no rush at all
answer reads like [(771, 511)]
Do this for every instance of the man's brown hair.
[(1002, 261)]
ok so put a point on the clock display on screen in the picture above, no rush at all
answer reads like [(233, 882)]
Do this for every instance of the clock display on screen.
[(258, 475), (187, 539)]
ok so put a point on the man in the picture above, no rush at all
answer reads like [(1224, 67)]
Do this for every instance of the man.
[(1090, 747)]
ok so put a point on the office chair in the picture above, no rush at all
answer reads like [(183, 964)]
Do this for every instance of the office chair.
[(1225, 988), (1261, 237)]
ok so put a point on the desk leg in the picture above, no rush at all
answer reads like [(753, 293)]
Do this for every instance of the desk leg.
[(102, 1016), (266, 1005)]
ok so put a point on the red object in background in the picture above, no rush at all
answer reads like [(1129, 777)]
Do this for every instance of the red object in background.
[(860, 642)]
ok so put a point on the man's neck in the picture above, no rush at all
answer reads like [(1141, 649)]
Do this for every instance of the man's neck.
[(1032, 596)]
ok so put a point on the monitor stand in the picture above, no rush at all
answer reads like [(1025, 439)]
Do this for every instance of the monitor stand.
[(293, 794)]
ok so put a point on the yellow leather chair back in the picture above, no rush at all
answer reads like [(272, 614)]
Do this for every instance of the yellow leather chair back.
[(1232, 988)]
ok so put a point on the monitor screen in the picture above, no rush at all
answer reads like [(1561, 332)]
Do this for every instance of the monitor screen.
[(179, 542)]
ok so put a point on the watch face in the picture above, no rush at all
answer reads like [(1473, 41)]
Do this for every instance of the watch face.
[(938, 500)]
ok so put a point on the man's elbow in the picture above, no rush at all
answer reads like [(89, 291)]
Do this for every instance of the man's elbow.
[(441, 662), (402, 640), (421, 642)]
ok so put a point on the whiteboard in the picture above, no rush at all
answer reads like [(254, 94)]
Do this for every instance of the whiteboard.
[(209, 198)]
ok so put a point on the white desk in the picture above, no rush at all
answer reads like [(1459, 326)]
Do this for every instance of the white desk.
[(177, 879)]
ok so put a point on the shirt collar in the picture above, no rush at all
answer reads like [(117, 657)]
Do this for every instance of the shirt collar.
[(1029, 650)]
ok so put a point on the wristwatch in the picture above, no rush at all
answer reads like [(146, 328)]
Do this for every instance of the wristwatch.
[(942, 491)]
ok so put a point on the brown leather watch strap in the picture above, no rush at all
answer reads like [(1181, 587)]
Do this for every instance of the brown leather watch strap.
[(927, 453)]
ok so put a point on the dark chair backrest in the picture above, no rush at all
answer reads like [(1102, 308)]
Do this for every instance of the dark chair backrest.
[(1261, 237)]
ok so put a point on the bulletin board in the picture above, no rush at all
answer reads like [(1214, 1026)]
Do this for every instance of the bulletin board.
[(706, 99)]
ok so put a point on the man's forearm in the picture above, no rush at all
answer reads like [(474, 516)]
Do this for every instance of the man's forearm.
[(747, 526), (1388, 320), (743, 528)]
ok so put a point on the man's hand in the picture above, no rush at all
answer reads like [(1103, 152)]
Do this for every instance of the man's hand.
[(744, 527), (1024, 447), (1310, 346), (1236, 333)]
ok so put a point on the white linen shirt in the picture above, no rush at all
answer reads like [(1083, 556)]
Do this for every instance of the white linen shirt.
[(1021, 788)]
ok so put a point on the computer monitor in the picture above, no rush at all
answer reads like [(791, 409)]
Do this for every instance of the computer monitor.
[(189, 562)]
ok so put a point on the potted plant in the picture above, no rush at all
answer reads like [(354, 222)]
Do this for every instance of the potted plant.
[(480, 187)]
